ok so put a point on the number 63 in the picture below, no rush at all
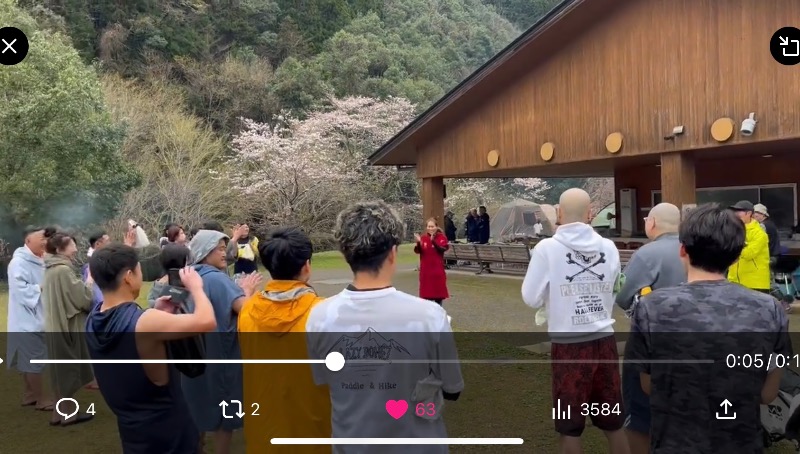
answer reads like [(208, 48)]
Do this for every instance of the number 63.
[(424, 409)]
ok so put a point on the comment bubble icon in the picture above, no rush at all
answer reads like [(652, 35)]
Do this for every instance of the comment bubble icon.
[(65, 414)]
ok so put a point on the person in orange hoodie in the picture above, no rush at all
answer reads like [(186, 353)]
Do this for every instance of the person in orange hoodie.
[(282, 400)]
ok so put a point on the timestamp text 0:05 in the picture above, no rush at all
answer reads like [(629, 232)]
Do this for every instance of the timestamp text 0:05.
[(760, 360)]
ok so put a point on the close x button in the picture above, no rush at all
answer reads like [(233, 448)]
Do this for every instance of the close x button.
[(13, 46)]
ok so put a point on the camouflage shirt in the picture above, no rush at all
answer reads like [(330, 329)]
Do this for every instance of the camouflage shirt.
[(685, 338)]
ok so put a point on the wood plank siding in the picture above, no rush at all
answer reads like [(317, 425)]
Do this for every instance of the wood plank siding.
[(645, 67)]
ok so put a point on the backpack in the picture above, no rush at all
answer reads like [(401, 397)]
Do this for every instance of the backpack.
[(188, 348)]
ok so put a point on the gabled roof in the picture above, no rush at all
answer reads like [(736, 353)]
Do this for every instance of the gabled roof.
[(517, 57)]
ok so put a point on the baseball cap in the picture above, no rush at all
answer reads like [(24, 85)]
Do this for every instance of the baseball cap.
[(759, 208), (742, 205)]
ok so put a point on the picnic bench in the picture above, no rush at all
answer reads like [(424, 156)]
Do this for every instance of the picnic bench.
[(625, 256), (626, 250), (518, 254)]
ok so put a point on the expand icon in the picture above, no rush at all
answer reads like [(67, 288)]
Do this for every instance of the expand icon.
[(785, 46)]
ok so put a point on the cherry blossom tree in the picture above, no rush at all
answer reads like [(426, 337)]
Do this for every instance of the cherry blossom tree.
[(361, 125), (532, 189), (602, 192), (466, 193), (303, 172)]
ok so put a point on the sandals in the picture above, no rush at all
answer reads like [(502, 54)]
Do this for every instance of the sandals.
[(78, 419), (48, 407)]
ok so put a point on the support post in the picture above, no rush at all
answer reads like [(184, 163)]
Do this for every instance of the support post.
[(678, 184), (433, 198)]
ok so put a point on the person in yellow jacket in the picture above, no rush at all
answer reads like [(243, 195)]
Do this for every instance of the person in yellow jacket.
[(752, 268), (282, 400)]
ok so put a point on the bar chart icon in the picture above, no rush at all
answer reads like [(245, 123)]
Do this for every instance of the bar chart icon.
[(558, 413)]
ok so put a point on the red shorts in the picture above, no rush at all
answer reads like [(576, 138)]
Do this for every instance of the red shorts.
[(587, 387)]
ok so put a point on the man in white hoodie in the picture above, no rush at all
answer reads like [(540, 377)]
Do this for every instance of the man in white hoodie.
[(573, 274)]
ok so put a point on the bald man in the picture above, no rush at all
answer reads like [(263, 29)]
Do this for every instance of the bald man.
[(656, 265), (573, 274)]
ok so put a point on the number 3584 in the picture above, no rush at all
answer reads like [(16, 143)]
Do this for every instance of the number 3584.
[(605, 409)]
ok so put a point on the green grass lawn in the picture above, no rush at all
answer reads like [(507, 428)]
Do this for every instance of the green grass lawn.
[(333, 260), (499, 400)]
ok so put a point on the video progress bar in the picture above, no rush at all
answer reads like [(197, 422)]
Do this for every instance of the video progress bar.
[(365, 362), (533, 361), (396, 441), (177, 361)]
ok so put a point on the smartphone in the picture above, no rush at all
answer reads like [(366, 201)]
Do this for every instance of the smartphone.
[(174, 277)]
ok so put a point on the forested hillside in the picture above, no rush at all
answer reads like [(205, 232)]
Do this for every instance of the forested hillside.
[(285, 54), (191, 99)]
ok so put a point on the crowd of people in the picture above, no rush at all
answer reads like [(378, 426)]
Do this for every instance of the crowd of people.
[(167, 408), (477, 229), (696, 293), (48, 303), (703, 274)]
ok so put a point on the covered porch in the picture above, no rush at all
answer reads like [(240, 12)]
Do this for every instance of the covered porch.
[(762, 172)]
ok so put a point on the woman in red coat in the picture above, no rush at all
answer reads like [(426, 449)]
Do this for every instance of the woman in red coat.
[(432, 277)]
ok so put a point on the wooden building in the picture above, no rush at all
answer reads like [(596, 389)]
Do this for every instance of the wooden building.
[(597, 88)]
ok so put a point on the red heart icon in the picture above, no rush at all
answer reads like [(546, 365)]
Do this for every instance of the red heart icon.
[(396, 408)]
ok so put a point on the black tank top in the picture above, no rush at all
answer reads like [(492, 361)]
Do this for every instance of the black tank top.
[(151, 418)]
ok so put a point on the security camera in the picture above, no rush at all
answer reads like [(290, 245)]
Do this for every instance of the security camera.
[(749, 125), (676, 131)]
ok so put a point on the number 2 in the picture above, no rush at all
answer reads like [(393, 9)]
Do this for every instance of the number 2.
[(255, 412)]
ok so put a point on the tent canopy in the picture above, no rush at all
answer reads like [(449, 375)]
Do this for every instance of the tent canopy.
[(517, 220), (550, 211)]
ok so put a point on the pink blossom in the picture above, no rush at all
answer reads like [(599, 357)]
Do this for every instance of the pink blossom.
[(318, 163)]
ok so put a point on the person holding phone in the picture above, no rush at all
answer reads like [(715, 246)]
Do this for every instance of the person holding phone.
[(173, 257), (243, 249), (152, 413), (432, 277), (137, 234)]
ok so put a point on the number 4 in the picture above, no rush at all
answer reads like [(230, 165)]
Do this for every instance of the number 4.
[(90, 410)]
